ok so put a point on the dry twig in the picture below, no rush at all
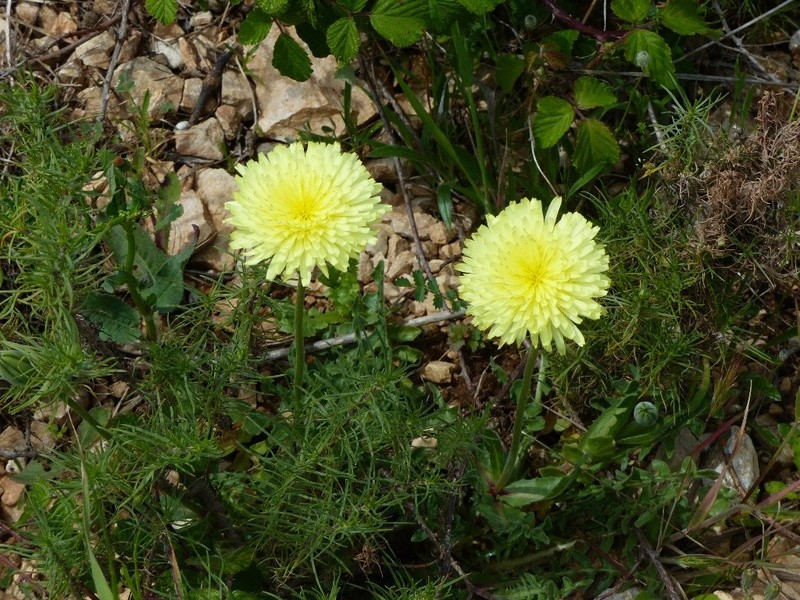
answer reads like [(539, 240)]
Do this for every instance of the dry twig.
[(122, 33)]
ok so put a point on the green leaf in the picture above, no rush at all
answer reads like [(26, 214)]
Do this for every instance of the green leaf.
[(353, 5), (114, 319), (552, 120), (399, 22), (290, 59), (479, 7), (254, 28), (160, 276), (630, 10), (529, 491), (164, 11), (563, 40), (272, 7), (509, 68), (595, 145), (444, 200), (683, 17), (658, 57), (591, 93), (343, 39)]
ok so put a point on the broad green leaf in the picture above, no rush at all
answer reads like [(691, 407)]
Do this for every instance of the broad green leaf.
[(442, 14), (562, 40), (595, 145), (272, 7), (353, 5), (509, 68), (115, 319), (399, 22), (529, 491), (683, 17), (343, 39), (254, 28), (160, 276), (552, 120), (630, 10), (591, 93), (479, 7), (658, 57), (164, 11), (290, 59)]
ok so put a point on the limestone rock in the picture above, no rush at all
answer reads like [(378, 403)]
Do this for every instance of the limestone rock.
[(204, 140), (438, 371), (191, 93), (215, 187), (236, 92), (27, 12), (286, 106), (230, 119), (12, 439), (11, 490), (743, 461), (191, 227), (96, 52), (165, 88), (63, 25), (170, 51)]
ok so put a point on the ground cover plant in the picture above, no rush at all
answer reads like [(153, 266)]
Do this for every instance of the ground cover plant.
[(512, 312)]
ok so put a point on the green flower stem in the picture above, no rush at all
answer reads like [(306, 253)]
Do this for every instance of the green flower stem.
[(299, 344), (519, 416), (145, 310)]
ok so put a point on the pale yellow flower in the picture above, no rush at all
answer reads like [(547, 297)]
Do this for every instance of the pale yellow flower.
[(526, 273), (301, 208)]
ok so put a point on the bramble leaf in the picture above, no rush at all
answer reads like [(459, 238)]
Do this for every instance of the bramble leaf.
[(552, 120), (254, 28), (479, 7), (509, 68), (400, 23), (650, 52), (595, 144), (683, 17), (272, 7), (343, 39), (290, 59), (630, 10), (591, 93), (163, 11)]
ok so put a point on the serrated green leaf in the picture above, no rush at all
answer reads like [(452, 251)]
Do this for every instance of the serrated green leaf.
[(114, 319), (562, 40), (591, 93), (659, 57), (163, 11), (399, 22), (595, 144), (343, 39), (442, 14), (683, 17), (273, 8), (630, 10), (479, 7), (552, 120), (290, 59), (254, 28)]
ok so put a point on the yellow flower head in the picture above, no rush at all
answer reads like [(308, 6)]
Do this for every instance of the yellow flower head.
[(302, 208), (528, 273)]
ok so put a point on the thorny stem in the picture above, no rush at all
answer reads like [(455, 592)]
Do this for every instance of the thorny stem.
[(299, 345), (519, 416)]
